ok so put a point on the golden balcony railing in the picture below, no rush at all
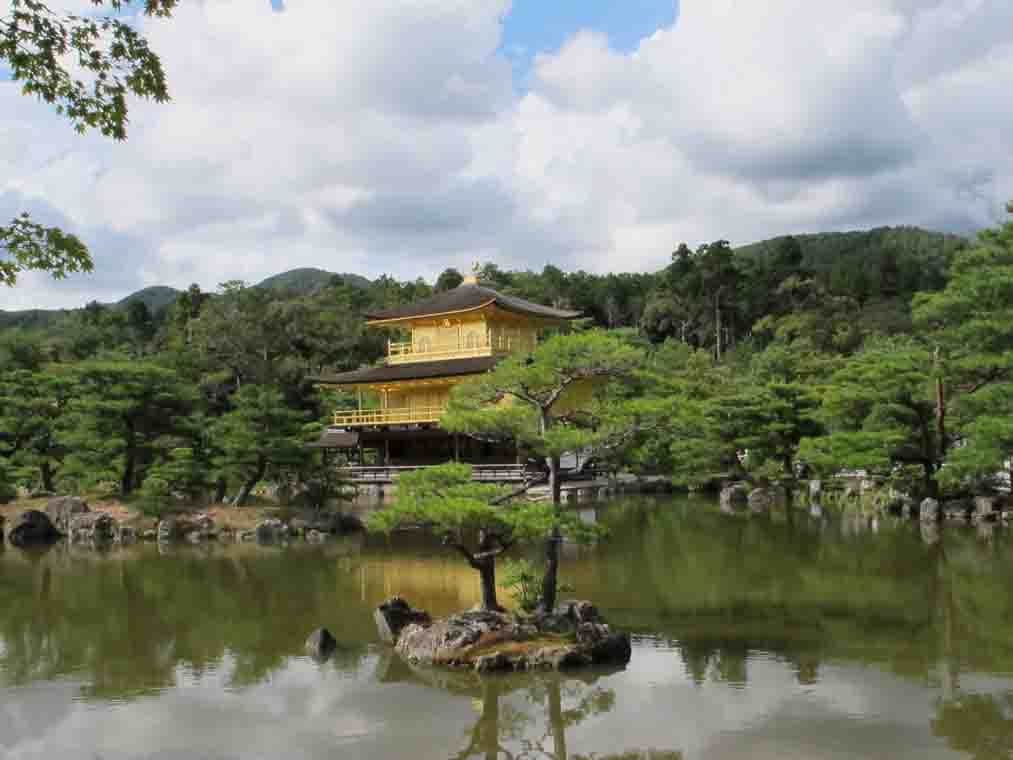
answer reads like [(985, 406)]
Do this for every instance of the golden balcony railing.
[(397, 416), (403, 353)]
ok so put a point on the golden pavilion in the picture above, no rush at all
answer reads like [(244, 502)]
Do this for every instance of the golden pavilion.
[(451, 336)]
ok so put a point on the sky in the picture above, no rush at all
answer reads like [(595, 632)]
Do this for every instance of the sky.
[(424, 134)]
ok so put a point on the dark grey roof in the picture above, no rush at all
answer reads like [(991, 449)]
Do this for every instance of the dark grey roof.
[(465, 297), (413, 371), (336, 439)]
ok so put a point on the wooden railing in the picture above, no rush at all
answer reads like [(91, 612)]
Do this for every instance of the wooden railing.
[(399, 416), (489, 473)]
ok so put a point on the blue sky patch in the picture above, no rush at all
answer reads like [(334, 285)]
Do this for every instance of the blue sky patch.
[(541, 26)]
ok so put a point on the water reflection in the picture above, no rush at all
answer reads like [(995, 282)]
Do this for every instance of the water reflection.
[(754, 636)]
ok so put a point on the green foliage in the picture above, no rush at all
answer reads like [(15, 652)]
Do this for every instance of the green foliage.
[(155, 497), (879, 411), (260, 433), (525, 397), (26, 245), (31, 407), (971, 324), (119, 417), (8, 488), (523, 579)]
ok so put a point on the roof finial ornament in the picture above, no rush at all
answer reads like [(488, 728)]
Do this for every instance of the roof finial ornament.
[(472, 279)]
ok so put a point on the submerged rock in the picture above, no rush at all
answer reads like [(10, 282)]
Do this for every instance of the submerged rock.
[(394, 615), (33, 528), (321, 644), (572, 635), (93, 527), (734, 496), (63, 509)]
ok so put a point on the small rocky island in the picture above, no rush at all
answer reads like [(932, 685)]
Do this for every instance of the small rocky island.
[(573, 635)]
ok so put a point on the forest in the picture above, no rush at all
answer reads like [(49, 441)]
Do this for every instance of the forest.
[(888, 350)]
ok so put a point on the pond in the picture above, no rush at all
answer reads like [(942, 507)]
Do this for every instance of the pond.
[(758, 637)]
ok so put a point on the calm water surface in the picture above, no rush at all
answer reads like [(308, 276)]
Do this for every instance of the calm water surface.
[(754, 637)]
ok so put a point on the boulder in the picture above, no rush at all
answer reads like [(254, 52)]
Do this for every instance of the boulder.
[(321, 644), (150, 535), (61, 510), (315, 536), (928, 512), (761, 500), (338, 522), (33, 528), (192, 528), (985, 509), (734, 497), (394, 615), (127, 535), (271, 531), (93, 527)]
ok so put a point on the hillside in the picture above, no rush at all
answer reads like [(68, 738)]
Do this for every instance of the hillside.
[(881, 261), (307, 280), (156, 298)]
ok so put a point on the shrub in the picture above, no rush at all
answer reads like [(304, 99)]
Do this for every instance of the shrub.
[(155, 498)]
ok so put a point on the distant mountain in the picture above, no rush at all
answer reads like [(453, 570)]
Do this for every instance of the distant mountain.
[(308, 280), (156, 297), (295, 282)]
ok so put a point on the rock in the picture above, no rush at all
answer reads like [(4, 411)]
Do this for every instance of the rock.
[(298, 527), (33, 528), (928, 512), (338, 522), (394, 615), (315, 536), (321, 644), (62, 509), (985, 509), (957, 509), (149, 535), (271, 531), (492, 663), (248, 535), (930, 533), (127, 535), (761, 500), (604, 646), (734, 496), (815, 489), (93, 527), (168, 530)]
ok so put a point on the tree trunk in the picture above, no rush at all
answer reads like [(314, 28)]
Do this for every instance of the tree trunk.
[(486, 567), (550, 581), (127, 480), (931, 486), (717, 326), (46, 472), (248, 486), (940, 418), (220, 487)]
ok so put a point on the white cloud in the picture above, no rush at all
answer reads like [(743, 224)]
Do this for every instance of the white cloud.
[(394, 140)]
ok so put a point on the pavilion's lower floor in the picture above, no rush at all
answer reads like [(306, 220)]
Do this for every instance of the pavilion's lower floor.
[(416, 447)]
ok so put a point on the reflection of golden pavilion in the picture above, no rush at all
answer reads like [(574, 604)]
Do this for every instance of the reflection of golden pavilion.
[(453, 335)]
